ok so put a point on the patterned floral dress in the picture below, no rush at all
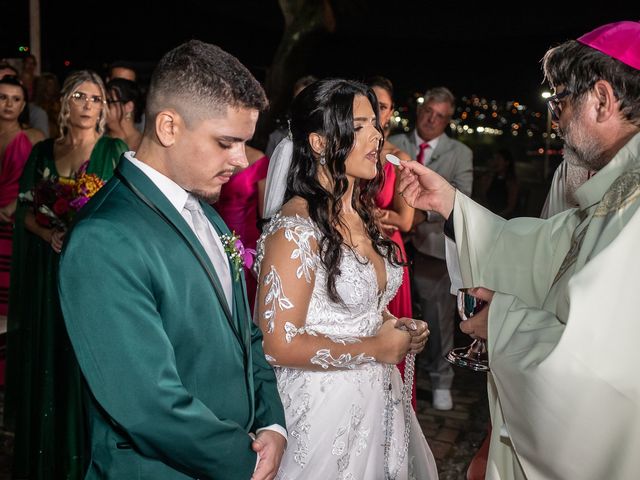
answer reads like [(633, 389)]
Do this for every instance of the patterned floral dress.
[(335, 407)]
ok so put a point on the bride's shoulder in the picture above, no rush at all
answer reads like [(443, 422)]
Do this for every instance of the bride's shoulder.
[(295, 207), (290, 235), (293, 214)]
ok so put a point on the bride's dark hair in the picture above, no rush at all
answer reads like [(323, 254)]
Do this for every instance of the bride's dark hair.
[(326, 108)]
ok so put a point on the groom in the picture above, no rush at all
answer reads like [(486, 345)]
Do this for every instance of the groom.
[(179, 387)]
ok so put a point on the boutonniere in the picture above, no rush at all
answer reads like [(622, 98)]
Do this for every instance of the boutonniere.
[(240, 257)]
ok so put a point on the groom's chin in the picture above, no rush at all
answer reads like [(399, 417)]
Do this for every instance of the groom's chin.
[(209, 197)]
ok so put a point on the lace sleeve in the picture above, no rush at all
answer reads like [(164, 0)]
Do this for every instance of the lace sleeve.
[(289, 262)]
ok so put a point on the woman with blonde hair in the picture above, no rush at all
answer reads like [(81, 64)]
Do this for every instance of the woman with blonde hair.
[(43, 393)]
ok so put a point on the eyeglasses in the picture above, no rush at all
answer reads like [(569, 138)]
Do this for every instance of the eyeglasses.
[(111, 101), (80, 98), (554, 102)]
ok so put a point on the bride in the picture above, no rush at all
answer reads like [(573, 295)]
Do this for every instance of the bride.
[(326, 275)]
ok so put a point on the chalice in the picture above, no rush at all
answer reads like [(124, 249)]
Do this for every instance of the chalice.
[(475, 356)]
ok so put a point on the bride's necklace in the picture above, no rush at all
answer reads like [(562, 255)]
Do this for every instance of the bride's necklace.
[(389, 405)]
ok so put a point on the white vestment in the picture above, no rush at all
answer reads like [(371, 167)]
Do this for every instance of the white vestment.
[(563, 329)]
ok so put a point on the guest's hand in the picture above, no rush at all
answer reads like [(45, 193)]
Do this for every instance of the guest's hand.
[(57, 237), (270, 446), (383, 218), (418, 330), (424, 189), (477, 326), (5, 217), (6, 212)]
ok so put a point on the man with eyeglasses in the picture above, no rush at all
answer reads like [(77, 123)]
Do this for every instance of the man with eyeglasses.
[(562, 324), (431, 146)]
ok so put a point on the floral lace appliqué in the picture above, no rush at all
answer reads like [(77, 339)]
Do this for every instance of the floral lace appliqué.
[(300, 235), (324, 358), (291, 331), (275, 296), (350, 439)]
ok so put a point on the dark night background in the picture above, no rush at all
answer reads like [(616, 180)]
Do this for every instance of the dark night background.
[(485, 49)]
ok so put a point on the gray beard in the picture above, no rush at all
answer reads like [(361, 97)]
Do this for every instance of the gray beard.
[(581, 149), (590, 157)]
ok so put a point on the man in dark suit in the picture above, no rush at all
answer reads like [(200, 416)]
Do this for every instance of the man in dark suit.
[(430, 145), (156, 311)]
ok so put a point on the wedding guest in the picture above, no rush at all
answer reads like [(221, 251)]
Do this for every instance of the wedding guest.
[(429, 144), (125, 106), (240, 206), (326, 275), (16, 141), (122, 69), (28, 73), (37, 116), (394, 214), (561, 320), (43, 403), (173, 363), (127, 71)]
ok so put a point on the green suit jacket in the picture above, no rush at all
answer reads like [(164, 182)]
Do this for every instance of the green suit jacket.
[(174, 391)]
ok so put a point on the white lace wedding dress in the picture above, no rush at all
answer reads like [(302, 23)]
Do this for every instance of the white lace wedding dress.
[(335, 418)]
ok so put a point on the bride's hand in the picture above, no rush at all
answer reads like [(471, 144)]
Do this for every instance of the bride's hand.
[(418, 330), (394, 343)]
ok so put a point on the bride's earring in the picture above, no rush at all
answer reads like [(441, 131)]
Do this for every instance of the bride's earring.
[(323, 161)]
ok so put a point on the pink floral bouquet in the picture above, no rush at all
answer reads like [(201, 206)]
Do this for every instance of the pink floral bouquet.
[(57, 200)]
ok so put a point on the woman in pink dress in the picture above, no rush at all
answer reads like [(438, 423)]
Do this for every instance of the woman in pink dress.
[(240, 205), (394, 213), (16, 141)]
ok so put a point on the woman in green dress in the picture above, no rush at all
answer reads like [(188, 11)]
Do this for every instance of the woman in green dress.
[(43, 393)]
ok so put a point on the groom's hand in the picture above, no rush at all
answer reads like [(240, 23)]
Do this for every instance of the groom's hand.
[(269, 445)]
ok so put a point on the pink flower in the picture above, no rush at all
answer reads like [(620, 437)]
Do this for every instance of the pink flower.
[(79, 202), (248, 255)]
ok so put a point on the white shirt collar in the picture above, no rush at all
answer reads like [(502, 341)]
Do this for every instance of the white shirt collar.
[(433, 143), (170, 189)]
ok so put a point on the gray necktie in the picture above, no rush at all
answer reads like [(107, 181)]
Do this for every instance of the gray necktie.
[(195, 217)]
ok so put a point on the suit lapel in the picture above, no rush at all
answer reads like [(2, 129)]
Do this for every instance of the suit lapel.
[(443, 145), (145, 186), (241, 313), (414, 145)]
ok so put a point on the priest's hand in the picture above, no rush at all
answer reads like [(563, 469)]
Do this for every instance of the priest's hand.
[(477, 326), (424, 189), (269, 445)]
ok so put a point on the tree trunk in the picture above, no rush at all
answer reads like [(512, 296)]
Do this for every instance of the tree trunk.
[(306, 22)]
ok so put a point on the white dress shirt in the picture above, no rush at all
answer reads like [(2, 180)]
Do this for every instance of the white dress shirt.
[(177, 196)]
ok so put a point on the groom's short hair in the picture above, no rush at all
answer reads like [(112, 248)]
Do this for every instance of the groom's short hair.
[(200, 81)]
